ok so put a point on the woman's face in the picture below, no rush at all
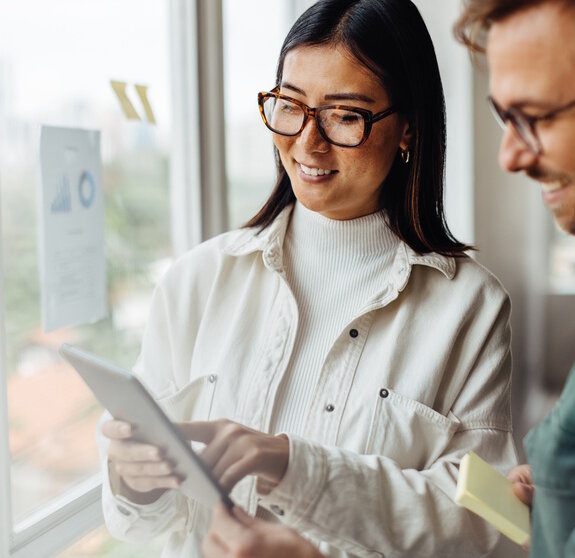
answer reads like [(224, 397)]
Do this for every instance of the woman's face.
[(324, 75)]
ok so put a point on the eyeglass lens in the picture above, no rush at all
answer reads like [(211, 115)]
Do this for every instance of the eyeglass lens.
[(340, 126), (519, 123)]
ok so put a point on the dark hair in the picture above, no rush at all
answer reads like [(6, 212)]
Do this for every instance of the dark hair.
[(477, 17), (390, 38)]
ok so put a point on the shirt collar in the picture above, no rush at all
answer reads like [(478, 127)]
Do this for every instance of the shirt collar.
[(269, 241)]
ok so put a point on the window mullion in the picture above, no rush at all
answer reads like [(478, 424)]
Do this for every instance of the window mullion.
[(185, 161), (5, 459), (212, 118)]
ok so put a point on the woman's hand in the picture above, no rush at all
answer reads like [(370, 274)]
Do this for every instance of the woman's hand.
[(237, 535), (143, 472), (234, 451)]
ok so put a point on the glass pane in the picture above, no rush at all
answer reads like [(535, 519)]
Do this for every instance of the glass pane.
[(55, 68), (250, 55)]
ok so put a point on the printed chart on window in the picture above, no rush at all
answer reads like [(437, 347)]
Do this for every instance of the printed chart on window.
[(71, 228)]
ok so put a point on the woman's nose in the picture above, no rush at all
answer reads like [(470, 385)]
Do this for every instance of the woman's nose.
[(311, 138)]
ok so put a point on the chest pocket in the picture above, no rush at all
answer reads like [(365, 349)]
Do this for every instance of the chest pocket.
[(193, 402), (408, 431)]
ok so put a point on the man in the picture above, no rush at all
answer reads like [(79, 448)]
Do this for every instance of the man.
[(530, 49)]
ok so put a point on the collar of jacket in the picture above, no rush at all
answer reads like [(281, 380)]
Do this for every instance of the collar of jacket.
[(270, 241)]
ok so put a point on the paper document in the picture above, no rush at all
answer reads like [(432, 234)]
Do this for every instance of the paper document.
[(71, 228)]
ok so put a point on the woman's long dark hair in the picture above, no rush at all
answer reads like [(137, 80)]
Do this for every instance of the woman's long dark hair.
[(390, 38)]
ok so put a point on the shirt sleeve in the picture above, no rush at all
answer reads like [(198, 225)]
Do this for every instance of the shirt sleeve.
[(136, 523), (368, 506), (550, 448)]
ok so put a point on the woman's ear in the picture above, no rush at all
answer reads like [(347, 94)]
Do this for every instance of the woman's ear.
[(406, 137)]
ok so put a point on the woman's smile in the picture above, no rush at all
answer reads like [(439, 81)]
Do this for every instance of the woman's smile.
[(348, 180)]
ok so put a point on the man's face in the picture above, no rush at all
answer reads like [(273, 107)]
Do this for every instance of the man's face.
[(531, 57)]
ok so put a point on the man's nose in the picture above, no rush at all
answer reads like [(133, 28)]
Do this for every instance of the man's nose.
[(514, 153)]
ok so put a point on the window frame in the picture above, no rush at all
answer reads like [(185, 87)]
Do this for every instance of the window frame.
[(198, 211)]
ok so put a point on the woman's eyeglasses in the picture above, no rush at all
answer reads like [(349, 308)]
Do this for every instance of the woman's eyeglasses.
[(338, 124)]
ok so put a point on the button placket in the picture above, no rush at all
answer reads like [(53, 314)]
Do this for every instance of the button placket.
[(277, 510)]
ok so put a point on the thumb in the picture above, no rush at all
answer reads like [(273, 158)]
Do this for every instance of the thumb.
[(199, 431), (242, 516)]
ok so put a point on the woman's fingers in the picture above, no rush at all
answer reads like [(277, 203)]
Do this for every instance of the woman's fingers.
[(149, 483), (201, 431), (141, 466), (133, 451), (234, 451), (116, 429)]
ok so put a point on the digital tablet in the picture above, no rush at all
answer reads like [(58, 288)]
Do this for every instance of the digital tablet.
[(126, 398)]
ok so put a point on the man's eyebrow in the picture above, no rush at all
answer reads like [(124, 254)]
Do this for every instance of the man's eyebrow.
[(331, 96), (527, 103)]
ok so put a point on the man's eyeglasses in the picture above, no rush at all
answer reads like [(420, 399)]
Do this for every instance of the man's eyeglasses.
[(338, 124), (525, 126)]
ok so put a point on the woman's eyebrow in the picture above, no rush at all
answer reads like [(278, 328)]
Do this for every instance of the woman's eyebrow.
[(291, 87), (349, 97), (331, 96)]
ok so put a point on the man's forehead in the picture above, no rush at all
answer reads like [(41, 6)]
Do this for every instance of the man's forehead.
[(531, 56)]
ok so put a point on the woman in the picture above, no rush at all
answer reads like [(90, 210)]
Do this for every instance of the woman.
[(340, 354)]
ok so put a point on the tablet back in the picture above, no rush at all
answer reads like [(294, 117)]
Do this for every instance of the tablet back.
[(127, 399)]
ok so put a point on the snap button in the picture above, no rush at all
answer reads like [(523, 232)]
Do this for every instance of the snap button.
[(124, 511), (212, 378), (276, 509), (353, 333), (329, 408), (383, 393)]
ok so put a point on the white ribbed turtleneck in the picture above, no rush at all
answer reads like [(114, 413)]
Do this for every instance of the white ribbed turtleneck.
[(334, 268)]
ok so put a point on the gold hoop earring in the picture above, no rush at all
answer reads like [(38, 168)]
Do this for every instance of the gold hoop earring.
[(405, 155)]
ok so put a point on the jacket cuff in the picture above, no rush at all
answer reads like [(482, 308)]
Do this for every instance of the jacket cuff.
[(302, 485)]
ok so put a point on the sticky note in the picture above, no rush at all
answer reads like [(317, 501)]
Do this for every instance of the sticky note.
[(142, 91), (486, 492), (120, 89)]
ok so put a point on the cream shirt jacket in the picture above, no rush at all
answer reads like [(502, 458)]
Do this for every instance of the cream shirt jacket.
[(419, 377)]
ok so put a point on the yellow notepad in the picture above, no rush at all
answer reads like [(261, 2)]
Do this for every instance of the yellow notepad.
[(486, 492)]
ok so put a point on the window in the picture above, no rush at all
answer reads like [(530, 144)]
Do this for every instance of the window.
[(57, 59), (251, 51)]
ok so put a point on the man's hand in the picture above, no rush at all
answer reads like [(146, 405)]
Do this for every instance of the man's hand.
[(523, 486), (237, 535), (522, 481)]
